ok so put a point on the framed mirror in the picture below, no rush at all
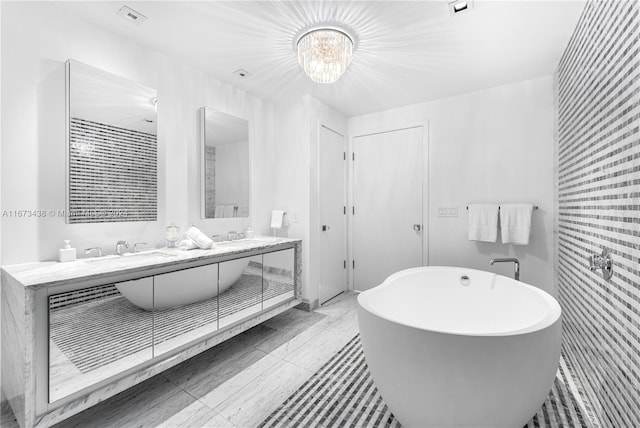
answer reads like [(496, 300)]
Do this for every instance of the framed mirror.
[(112, 156), (224, 159)]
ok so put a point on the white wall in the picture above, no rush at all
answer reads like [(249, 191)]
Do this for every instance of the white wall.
[(292, 177), (494, 145), (37, 38)]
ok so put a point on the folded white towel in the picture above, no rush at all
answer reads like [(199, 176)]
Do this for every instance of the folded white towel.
[(515, 223), (187, 244), (483, 222), (201, 240), (277, 219)]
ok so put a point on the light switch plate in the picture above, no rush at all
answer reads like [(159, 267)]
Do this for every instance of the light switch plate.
[(448, 212)]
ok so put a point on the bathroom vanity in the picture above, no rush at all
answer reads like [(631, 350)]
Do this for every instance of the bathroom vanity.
[(74, 334)]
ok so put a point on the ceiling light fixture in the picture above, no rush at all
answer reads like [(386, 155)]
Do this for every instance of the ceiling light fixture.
[(325, 53)]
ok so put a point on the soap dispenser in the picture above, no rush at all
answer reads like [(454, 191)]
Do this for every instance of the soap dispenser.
[(67, 254)]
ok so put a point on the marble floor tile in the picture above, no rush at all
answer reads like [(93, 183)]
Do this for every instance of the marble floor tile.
[(209, 420), (215, 392), (318, 350), (252, 404), (293, 318), (238, 383), (123, 409), (339, 305), (346, 325)]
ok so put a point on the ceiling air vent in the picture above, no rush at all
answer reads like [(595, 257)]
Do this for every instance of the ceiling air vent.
[(460, 6), (131, 15)]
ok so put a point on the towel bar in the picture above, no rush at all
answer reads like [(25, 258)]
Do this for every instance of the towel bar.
[(535, 207)]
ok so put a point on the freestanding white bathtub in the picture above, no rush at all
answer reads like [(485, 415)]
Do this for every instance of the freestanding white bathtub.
[(454, 347)]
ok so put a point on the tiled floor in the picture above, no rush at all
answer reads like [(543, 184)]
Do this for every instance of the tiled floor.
[(236, 384)]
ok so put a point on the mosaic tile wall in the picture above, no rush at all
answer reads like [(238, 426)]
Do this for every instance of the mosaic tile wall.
[(210, 181), (113, 173), (597, 96)]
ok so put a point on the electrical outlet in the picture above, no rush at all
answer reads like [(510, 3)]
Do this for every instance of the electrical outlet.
[(295, 218), (448, 212)]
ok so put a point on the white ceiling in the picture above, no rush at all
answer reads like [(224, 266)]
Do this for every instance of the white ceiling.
[(407, 51)]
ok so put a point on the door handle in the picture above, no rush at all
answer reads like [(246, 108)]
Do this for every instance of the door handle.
[(417, 227), (325, 228)]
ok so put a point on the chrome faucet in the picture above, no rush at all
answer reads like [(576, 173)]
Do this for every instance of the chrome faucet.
[(516, 262), (139, 245), (603, 261), (92, 249), (119, 247)]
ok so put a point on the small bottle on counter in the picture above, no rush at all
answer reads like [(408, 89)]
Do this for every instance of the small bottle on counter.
[(67, 254), (249, 233)]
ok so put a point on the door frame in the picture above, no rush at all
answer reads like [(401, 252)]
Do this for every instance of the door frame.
[(345, 247), (366, 131)]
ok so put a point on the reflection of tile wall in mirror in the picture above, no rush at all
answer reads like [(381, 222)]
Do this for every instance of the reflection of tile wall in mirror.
[(224, 165), (278, 277), (112, 147), (241, 280), (185, 307), (94, 334)]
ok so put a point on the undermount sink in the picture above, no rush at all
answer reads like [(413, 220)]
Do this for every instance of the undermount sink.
[(245, 241), (130, 257)]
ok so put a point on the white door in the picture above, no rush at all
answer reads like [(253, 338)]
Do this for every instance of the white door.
[(387, 204), (333, 280)]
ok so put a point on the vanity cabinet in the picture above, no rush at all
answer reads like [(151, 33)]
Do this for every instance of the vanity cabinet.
[(240, 289), (185, 307), (278, 277), (92, 336)]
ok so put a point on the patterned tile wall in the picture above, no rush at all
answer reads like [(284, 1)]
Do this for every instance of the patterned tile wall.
[(597, 96), (210, 181), (113, 173)]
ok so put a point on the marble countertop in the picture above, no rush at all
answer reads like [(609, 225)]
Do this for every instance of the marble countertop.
[(44, 274)]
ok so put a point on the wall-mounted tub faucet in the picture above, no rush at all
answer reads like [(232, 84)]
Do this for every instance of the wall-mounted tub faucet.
[(516, 265), (602, 261), (119, 247), (98, 250)]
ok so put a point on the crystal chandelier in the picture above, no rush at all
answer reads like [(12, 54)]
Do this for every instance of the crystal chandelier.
[(324, 54)]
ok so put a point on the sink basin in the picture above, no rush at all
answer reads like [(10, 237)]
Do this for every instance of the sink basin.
[(130, 257), (247, 241)]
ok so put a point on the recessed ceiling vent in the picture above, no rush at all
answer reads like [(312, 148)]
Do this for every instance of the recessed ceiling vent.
[(131, 15), (242, 74), (460, 6)]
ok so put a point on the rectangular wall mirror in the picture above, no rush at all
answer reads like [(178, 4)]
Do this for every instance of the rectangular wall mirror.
[(112, 161), (224, 165)]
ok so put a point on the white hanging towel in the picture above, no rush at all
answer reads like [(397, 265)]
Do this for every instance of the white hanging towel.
[(277, 219), (483, 222), (515, 223), (227, 211)]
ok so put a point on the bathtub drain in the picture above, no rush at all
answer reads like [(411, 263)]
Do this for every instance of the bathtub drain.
[(465, 280)]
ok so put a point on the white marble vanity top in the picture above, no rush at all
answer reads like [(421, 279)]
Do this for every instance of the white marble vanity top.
[(43, 274)]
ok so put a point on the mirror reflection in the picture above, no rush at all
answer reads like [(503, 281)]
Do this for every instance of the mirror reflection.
[(111, 148), (224, 165)]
